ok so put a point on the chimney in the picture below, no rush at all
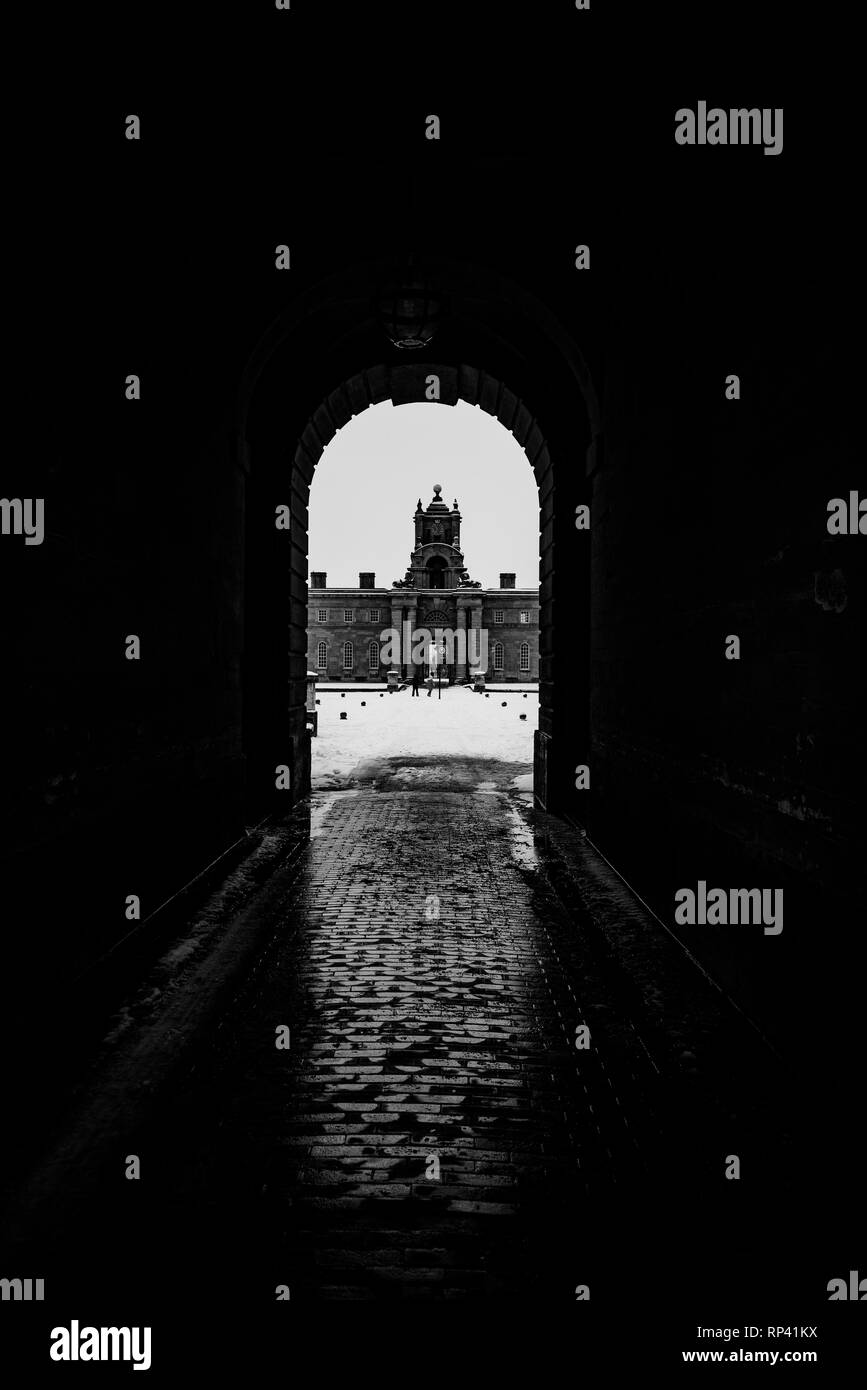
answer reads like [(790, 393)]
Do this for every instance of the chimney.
[(317, 579), (366, 579), (507, 581)]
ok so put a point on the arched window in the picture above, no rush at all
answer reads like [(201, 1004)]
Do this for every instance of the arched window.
[(322, 656), (347, 656), (498, 656), (436, 571), (373, 656), (525, 656)]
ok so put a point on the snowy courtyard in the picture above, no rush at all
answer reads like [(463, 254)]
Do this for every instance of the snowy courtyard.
[(398, 742)]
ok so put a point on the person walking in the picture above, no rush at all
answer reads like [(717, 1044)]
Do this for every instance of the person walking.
[(416, 678)]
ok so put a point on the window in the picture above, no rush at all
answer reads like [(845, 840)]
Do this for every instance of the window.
[(374, 615), (348, 656), (323, 615), (436, 571), (498, 656), (524, 615), (322, 656), (347, 615), (498, 616), (373, 656), (525, 656)]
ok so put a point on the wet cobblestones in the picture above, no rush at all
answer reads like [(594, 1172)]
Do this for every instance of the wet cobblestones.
[(432, 1130)]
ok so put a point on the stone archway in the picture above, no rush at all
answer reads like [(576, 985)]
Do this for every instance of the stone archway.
[(403, 385), (537, 387)]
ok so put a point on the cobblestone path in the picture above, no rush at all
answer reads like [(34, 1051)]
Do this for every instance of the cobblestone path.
[(432, 1131)]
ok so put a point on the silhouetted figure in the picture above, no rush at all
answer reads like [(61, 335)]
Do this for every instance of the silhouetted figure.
[(416, 679)]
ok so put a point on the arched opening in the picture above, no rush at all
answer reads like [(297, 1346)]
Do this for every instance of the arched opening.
[(536, 384), (414, 576), (288, 725), (436, 572)]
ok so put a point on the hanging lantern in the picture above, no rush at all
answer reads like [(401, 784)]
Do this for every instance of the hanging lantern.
[(409, 310)]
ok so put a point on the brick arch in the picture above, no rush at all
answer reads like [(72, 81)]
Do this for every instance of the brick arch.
[(467, 286), (326, 358), (405, 384)]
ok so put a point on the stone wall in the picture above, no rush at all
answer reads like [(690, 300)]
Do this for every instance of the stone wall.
[(708, 515)]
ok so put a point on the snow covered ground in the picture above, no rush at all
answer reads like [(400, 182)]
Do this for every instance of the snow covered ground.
[(395, 742)]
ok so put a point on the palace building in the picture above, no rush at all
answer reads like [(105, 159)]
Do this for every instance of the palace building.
[(358, 634)]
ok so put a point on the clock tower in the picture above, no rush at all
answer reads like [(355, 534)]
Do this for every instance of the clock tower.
[(437, 562)]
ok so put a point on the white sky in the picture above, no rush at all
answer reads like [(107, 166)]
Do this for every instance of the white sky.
[(369, 479)]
